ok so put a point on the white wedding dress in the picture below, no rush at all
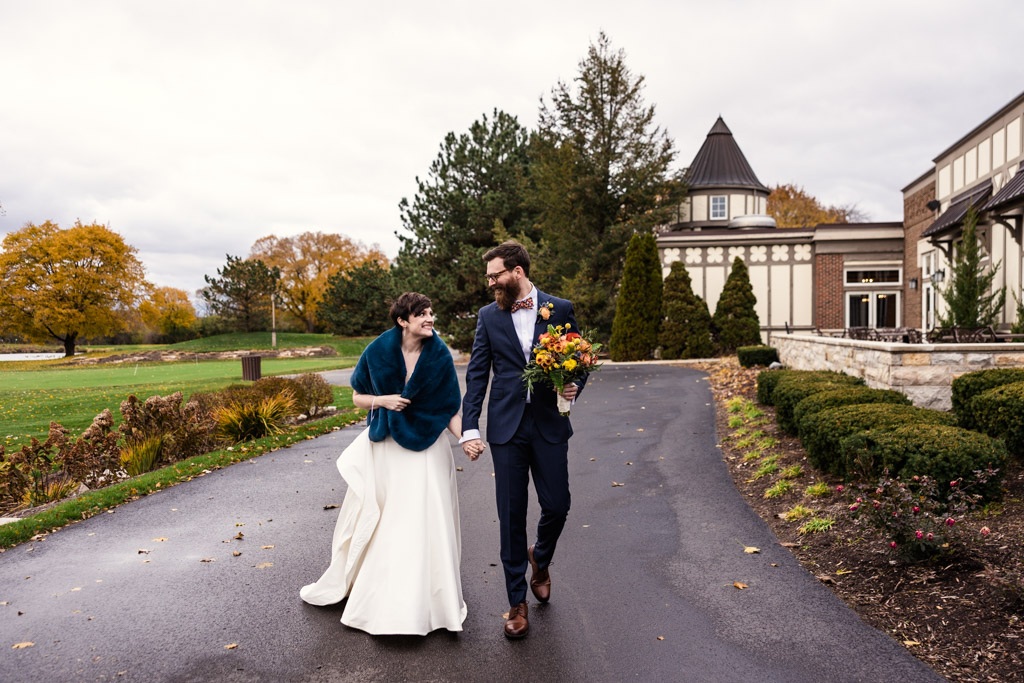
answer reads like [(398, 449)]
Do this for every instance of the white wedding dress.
[(397, 546)]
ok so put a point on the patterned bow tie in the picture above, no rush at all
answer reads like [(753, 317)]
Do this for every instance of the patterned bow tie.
[(525, 303)]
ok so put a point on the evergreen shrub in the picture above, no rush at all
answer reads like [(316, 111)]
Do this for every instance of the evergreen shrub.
[(825, 430), (942, 452), (686, 324), (735, 323), (999, 412), (767, 380), (842, 396), (749, 356), (638, 305), (789, 392), (966, 387)]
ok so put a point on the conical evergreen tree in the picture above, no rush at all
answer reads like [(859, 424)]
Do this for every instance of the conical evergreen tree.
[(970, 301), (686, 327), (735, 323), (638, 307)]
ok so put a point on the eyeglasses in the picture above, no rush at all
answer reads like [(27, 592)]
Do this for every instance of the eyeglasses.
[(493, 277)]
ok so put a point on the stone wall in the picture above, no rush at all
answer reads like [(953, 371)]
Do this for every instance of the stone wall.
[(924, 372)]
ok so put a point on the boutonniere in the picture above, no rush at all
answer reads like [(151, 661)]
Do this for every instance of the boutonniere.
[(544, 311)]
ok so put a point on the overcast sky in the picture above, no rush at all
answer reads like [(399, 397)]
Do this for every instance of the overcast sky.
[(195, 128)]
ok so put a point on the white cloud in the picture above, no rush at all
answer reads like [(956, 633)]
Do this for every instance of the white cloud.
[(194, 128)]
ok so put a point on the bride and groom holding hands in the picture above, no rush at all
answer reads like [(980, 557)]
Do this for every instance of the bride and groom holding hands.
[(397, 548)]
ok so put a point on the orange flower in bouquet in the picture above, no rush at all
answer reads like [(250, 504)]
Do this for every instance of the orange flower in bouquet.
[(559, 358)]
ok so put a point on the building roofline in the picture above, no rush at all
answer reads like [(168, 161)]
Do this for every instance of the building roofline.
[(923, 176), (984, 124)]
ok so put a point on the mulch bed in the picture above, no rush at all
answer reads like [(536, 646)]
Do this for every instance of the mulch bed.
[(949, 613)]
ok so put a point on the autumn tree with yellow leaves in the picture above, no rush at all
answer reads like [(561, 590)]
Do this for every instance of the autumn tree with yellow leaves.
[(792, 207), (64, 284), (306, 262), (169, 312)]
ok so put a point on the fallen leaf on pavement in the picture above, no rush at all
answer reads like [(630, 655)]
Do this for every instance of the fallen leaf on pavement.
[(739, 585), (458, 469), (76, 589), (207, 559), (661, 637), (750, 550), (159, 540), (505, 615), (629, 463), (615, 483), (266, 547), (264, 565), (22, 646), (236, 553), (232, 646), (640, 429), (240, 536), (329, 507), (144, 551), (593, 459), (239, 523)]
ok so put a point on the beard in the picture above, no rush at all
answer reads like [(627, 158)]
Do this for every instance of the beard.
[(504, 297)]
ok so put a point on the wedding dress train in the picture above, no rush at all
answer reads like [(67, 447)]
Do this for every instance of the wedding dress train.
[(397, 544)]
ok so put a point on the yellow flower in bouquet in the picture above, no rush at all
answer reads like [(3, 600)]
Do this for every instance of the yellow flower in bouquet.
[(561, 357)]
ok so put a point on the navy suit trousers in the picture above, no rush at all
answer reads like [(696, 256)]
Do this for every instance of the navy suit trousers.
[(514, 460)]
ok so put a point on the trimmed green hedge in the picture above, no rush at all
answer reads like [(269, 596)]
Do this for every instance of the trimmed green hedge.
[(842, 396), (941, 452), (790, 391), (999, 412), (767, 380), (966, 387), (750, 356), (827, 428)]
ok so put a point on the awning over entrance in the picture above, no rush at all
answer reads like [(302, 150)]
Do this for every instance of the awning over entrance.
[(1013, 191), (954, 215)]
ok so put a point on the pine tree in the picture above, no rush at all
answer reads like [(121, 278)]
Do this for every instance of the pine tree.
[(735, 323), (358, 302), (638, 307), (686, 327), (970, 301)]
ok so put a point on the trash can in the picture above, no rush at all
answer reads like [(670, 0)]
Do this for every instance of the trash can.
[(251, 368)]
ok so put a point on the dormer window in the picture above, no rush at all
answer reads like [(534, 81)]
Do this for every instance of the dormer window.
[(718, 210)]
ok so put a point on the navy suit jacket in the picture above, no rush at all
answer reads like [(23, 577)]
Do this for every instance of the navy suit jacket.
[(496, 347)]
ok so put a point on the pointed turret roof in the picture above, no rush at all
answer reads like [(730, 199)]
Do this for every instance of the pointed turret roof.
[(720, 163)]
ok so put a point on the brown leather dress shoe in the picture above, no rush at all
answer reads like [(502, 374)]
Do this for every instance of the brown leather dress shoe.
[(517, 623), (540, 580)]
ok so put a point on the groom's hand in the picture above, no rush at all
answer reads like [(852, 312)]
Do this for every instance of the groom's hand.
[(569, 391), (473, 448)]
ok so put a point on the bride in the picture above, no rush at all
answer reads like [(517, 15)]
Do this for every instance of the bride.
[(397, 544)]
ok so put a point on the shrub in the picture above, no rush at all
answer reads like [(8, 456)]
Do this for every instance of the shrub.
[(966, 387), (941, 452), (749, 356), (139, 457), (827, 428), (735, 322), (767, 380), (313, 393), (686, 324), (245, 421), (842, 396), (999, 412), (919, 520), (188, 428), (789, 392), (638, 305)]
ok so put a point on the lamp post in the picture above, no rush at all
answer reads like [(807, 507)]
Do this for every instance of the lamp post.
[(273, 321)]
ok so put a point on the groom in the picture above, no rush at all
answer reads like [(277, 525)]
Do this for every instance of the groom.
[(526, 432)]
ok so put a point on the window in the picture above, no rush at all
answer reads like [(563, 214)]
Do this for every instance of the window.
[(872, 309), (865, 277), (718, 211)]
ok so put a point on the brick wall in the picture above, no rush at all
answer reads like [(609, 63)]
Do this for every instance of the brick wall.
[(828, 286), (916, 218)]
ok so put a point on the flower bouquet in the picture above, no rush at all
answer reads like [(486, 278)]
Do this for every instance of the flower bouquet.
[(561, 357)]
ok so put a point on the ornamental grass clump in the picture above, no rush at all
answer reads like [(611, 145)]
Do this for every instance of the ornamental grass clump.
[(246, 421), (139, 457), (919, 517)]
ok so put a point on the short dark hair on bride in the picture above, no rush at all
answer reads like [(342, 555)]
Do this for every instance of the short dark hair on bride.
[(410, 303), (512, 254)]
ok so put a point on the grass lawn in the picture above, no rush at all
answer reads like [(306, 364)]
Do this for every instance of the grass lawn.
[(345, 346), (30, 399)]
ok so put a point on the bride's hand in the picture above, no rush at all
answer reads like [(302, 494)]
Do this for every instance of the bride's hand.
[(393, 402)]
